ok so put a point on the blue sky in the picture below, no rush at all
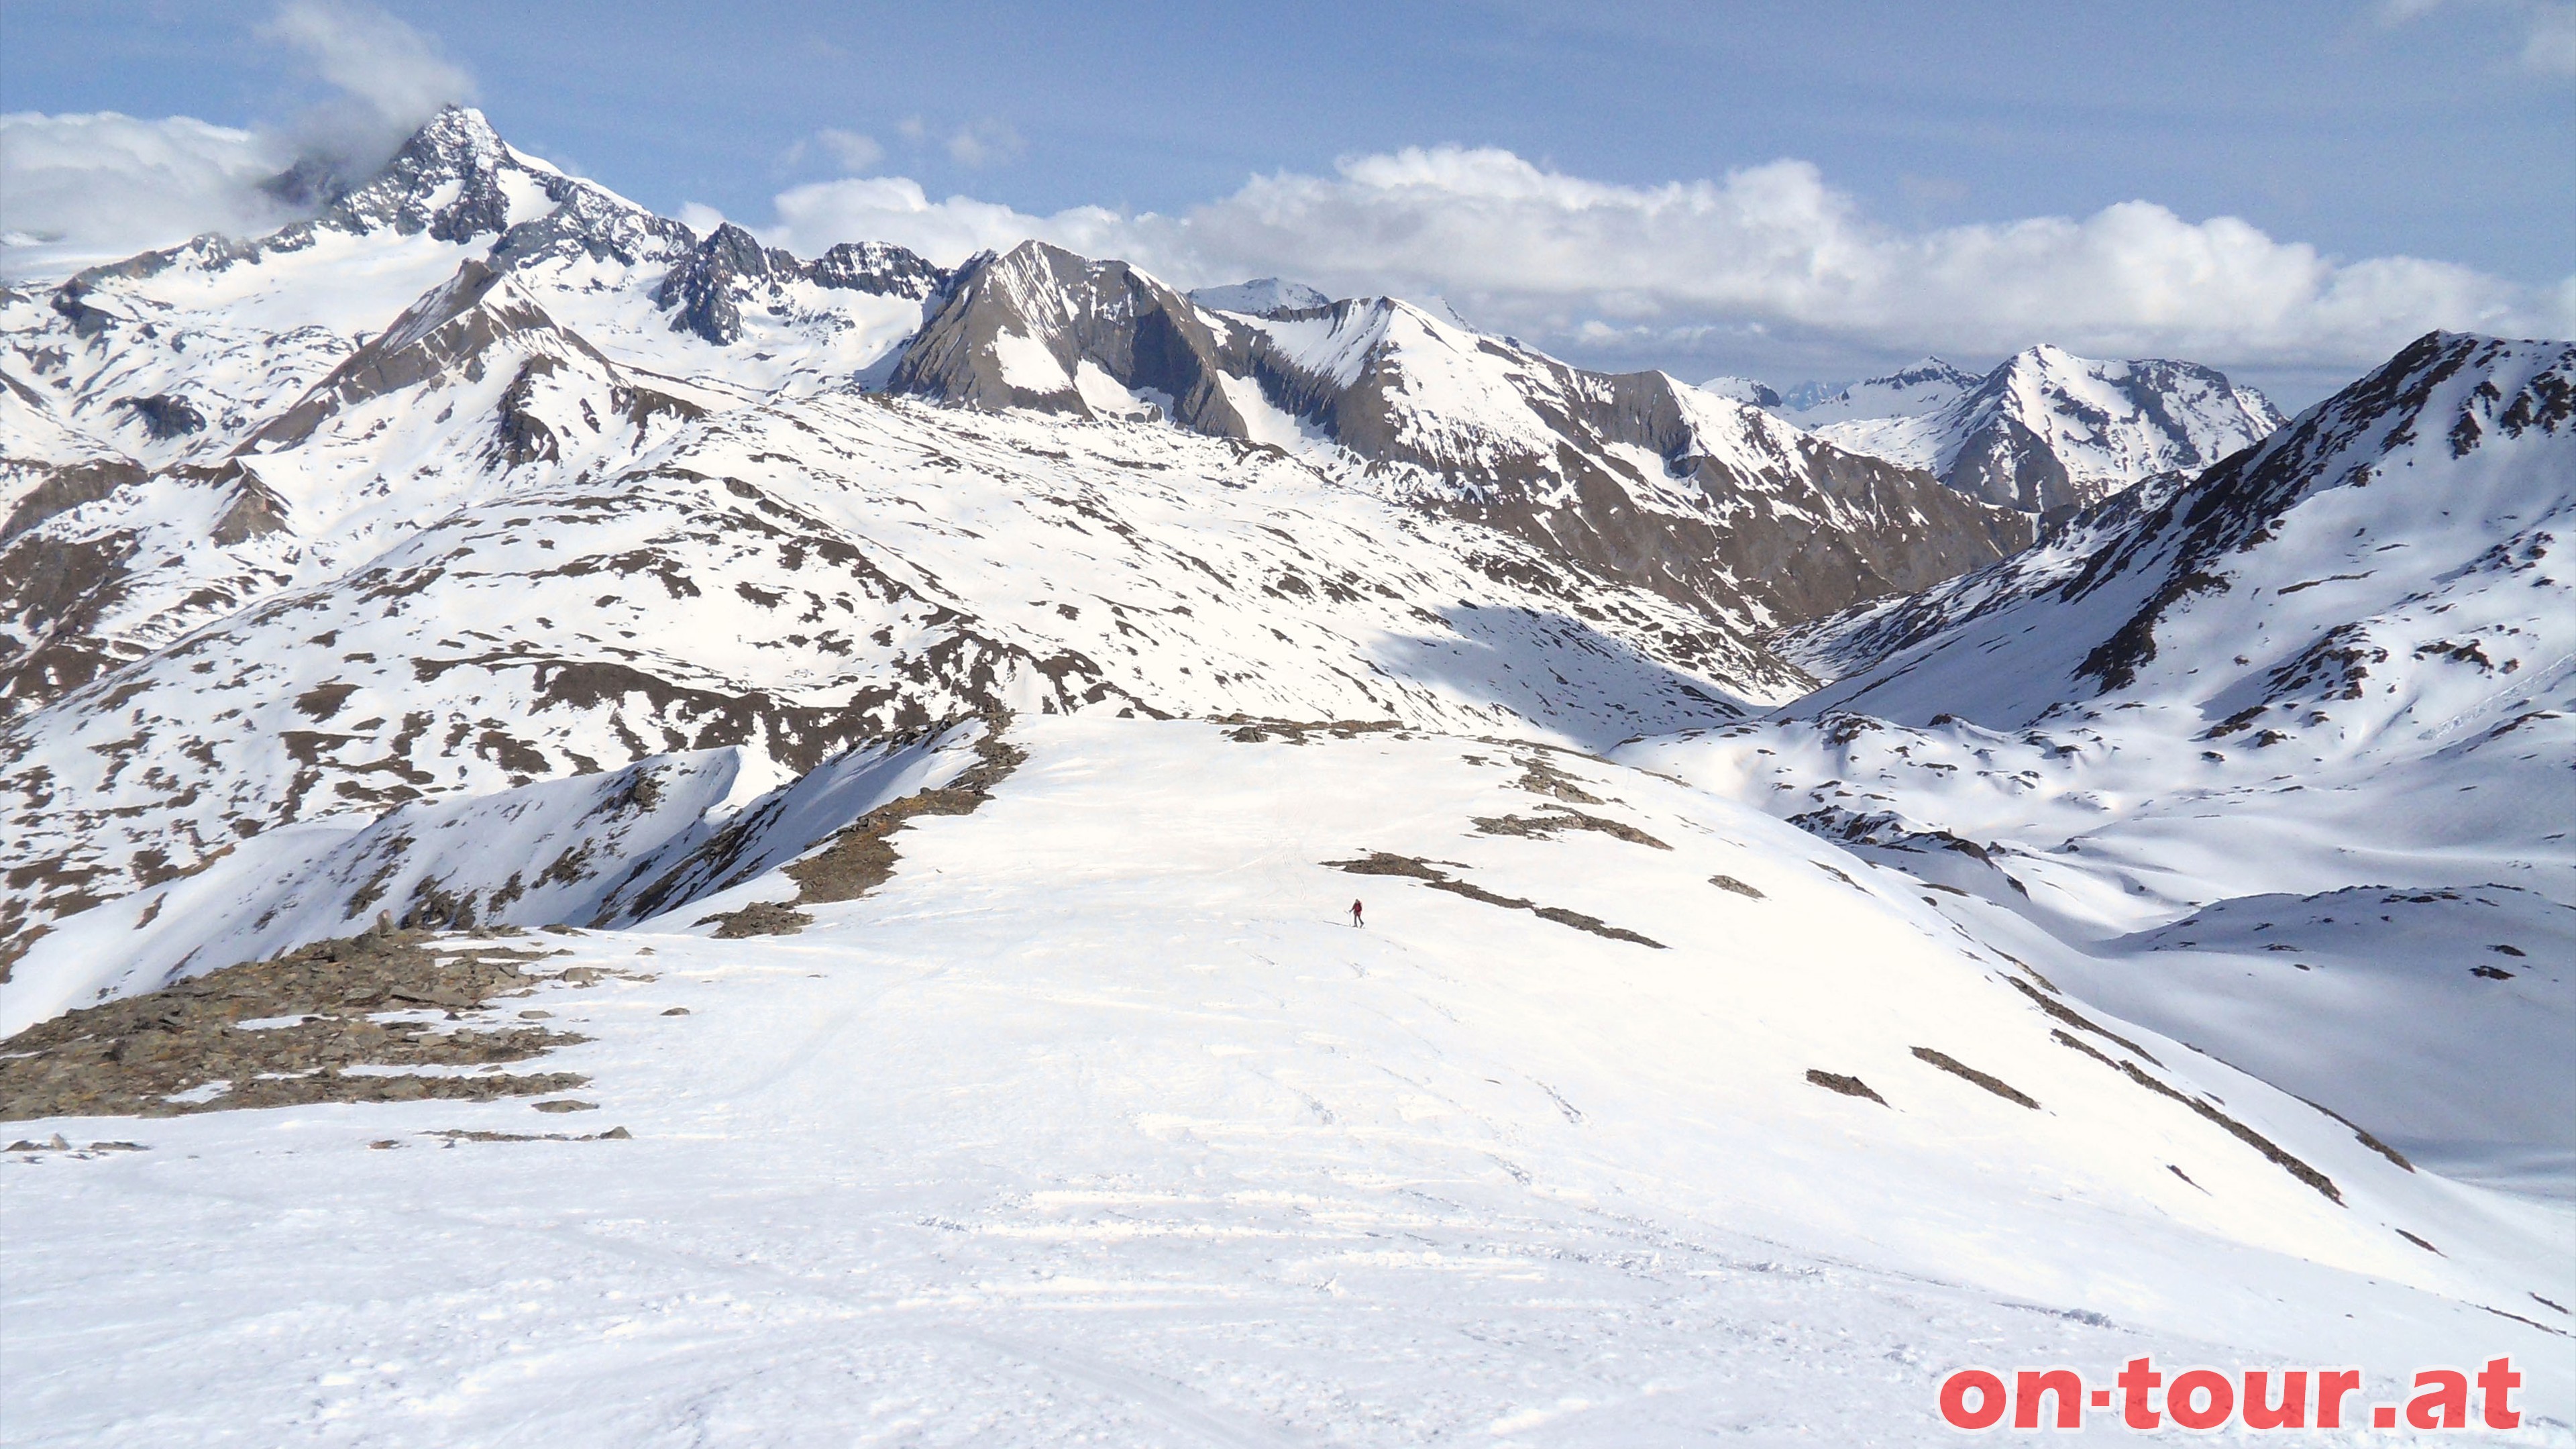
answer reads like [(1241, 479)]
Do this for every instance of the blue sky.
[(2434, 131)]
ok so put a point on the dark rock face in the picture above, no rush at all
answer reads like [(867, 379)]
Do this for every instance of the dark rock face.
[(165, 415), (2006, 464), (702, 287), (458, 149), (53, 593), (983, 347), (66, 488)]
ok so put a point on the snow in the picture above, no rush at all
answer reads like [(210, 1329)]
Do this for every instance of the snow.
[(1096, 1121), (1743, 390), (1027, 365), (1106, 396), (1913, 391)]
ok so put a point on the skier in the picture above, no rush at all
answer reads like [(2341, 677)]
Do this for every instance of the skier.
[(1355, 914)]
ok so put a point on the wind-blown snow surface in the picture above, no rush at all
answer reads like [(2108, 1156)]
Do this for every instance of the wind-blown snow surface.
[(2276, 759), (1099, 1120)]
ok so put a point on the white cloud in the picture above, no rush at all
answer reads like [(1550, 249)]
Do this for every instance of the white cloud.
[(370, 55), (76, 189), (88, 188), (2551, 46), (895, 209), (1770, 248)]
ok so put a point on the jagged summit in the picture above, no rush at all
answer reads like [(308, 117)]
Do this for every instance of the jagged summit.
[(1040, 328)]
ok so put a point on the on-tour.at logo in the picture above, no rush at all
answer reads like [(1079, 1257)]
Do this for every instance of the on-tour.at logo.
[(1974, 1399)]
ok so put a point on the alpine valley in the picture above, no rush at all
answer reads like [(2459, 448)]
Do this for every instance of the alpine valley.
[(617, 836)]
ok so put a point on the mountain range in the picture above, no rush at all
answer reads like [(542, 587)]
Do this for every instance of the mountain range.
[(2029, 868)]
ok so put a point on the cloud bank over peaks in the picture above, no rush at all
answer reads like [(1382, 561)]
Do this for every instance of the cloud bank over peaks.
[(99, 186), (82, 188), (1767, 249)]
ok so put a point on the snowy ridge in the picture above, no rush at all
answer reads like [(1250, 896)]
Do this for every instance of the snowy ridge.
[(581, 850), (1916, 390), (1742, 389), (1261, 297)]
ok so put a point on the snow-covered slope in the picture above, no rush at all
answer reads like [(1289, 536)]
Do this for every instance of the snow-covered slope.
[(196, 429), (796, 644), (2046, 431), (2183, 750), (1096, 1120), (2416, 502)]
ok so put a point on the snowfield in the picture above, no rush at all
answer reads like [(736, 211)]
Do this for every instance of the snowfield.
[(1100, 1121)]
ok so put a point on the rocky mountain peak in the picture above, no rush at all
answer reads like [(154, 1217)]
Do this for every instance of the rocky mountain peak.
[(446, 180), (2406, 518), (1038, 327), (705, 283)]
